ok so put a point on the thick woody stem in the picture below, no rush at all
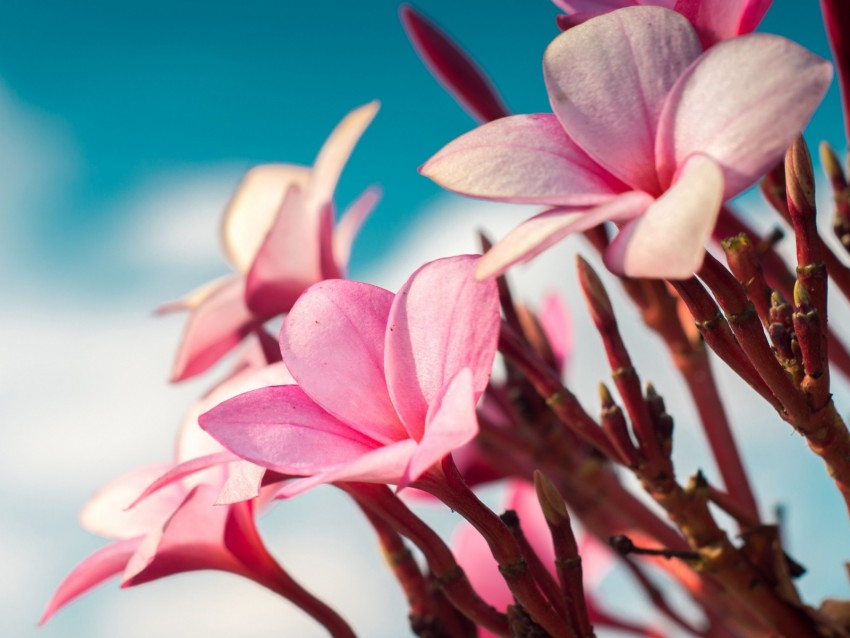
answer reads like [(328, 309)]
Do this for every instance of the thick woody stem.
[(840, 193), (448, 485), (430, 612), (624, 374), (776, 272), (271, 575), (547, 383), (567, 559), (718, 335), (451, 578), (688, 508), (750, 335), (836, 17)]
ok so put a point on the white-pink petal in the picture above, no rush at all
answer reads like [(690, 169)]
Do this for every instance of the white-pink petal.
[(254, 207), (335, 153), (106, 512), (668, 241), (442, 320), (543, 231), (214, 327), (607, 80), (105, 563), (742, 103), (385, 464), (333, 344), (349, 225), (287, 262), (283, 429), (717, 20), (450, 424), (522, 158)]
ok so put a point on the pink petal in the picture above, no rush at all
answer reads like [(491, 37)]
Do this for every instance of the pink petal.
[(287, 263), (333, 344), (192, 539), (746, 119), (335, 153), (543, 231), (450, 424), (328, 266), (215, 327), (244, 481), (557, 324), (607, 79), (283, 429), (668, 241), (192, 441), (522, 158), (441, 321), (193, 299), (452, 67), (106, 513), (474, 556), (349, 225), (522, 498), (100, 566), (385, 464), (254, 207), (717, 20), (576, 6), (178, 473)]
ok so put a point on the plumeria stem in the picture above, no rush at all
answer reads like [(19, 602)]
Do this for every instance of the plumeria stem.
[(273, 576), (548, 384), (427, 615), (380, 500), (448, 485), (567, 559)]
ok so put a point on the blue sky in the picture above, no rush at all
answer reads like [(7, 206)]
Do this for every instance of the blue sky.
[(125, 127)]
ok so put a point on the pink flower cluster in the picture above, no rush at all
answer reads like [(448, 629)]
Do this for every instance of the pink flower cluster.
[(662, 111)]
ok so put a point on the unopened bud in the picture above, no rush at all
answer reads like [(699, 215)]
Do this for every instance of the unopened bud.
[(832, 167), (800, 179), (594, 293), (550, 499)]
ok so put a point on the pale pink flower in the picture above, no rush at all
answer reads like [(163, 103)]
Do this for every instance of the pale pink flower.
[(387, 384), (648, 132), (474, 556), (179, 527), (714, 20), (278, 234)]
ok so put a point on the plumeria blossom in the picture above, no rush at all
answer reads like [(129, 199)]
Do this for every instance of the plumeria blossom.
[(655, 141), (387, 384), (278, 234), (714, 20), (178, 528), (474, 556)]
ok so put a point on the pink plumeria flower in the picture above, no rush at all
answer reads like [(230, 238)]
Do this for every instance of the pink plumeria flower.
[(474, 556), (279, 236), (179, 528), (387, 384), (655, 141), (714, 20)]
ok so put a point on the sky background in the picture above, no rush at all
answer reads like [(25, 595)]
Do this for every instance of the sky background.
[(123, 131)]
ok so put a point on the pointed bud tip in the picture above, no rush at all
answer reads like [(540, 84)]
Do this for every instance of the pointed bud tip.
[(594, 291), (830, 162), (605, 397), (799, 177), (550, 499)]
